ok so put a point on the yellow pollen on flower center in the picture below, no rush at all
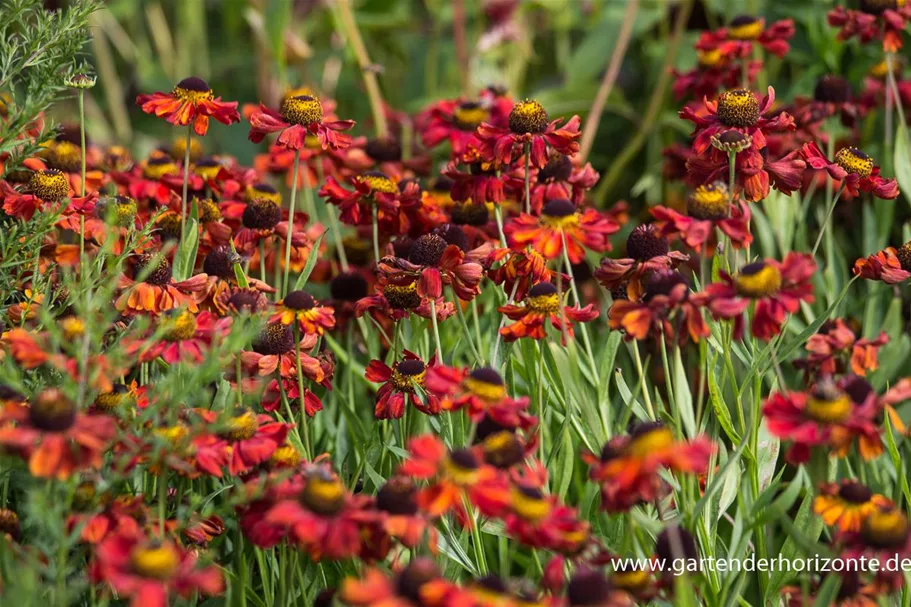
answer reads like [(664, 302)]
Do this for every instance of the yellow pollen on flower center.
[(651, 441), (528, 116), (530, 504), (50, 185), (180, 327), (886, 528), (157, 562), (469, 115), (72, 327), (407, 383), (829, 411), (241, 427), (459, 474), (745, 28), (157, 170), (209, 211), (193, 97), (738, 108), (323, 494), (286, 455), (379, 182), (488, 392), (174, 435), (66, 156), (302, 110), (561, 222), (758, 280), (709, 58), (632, 580), (855, 162), (544, 303), (708, 201)]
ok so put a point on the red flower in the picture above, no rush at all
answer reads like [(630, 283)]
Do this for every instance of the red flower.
[(740, 111), (876, 20), (433, 263), (54, 437), (836, 349), (707, 209), (273, 350), (246, 441), (648, 251), (187, 337), (754, 172), (737, 39), (628, 465), (397, 296), (453, 120), (191, 101), (522, 270), (528, 126), (560, 179), (482, 391), (407, 588), (301, 308), (543, 303), (400, 383), (454, 475), (561, 221), (373, 188), (825, 416), (776, 287), (148, 571), (888, 265), (666, 309), (854, 169), (325, 519), (481, 183), (300, 115), (159, 291)]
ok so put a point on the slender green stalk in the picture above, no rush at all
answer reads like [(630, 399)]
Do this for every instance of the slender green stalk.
[(376, 234), (81, 95), (436, 329), (572, 287), (528, 178), (498, 213), (186, 183), (162, 500), (637, 360), (825, 223), (304, 430), (284, 285)]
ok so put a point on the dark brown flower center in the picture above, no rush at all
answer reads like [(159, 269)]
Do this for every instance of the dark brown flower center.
[(220, 262), (299, 300), (503, 449), (876, 7), (155, 268), (384, 149), (855, 493), (350, 286), (427, 250), (398, 497), (453, 234), (558, 168), (589, 588), (663, 282), (261, 215), (832, 88), (470, 214), (646, 242), (275, 339), (52, 411), (745, 27)]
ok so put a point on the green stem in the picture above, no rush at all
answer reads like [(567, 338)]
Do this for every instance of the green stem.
[(637, 360), (527, 178), (162, 500), (305, 431), (825, 223), (376, 235), (186, 182), (582, 328), (284, 285), (436, 330), (498, 213), (82, 182)]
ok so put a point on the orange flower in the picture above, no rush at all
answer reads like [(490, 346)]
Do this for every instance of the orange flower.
[(845, 505), (55, 438), (311, 318), (191, 100), (159, 291), (542, 304)]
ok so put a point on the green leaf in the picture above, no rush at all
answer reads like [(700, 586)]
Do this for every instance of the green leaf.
[(828, 592), (683, 395), (311, 263), (185, 258), (779, 505), (719, 480), (903, 161), (722, 411)]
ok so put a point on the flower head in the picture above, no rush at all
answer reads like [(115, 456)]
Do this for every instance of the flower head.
[(192, 100), (299, 116)]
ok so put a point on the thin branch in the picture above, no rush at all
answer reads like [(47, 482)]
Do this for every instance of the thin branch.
[(610, 78), (368, 70)]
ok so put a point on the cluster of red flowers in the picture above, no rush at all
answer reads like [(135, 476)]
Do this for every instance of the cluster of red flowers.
[(215, 274)]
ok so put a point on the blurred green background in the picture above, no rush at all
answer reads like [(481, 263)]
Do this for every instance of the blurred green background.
[(554, 50)]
